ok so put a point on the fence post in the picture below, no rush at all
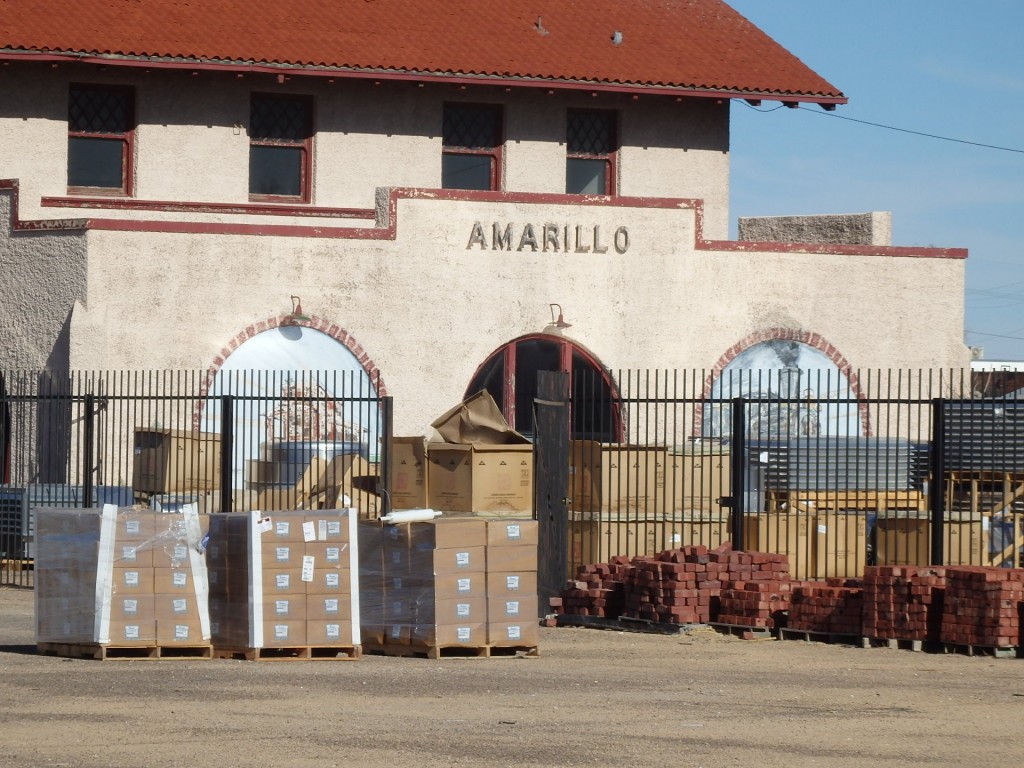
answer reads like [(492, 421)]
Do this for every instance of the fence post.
[(937, 486), (387, 415), (738, 471), (227, 452), (87, 453)]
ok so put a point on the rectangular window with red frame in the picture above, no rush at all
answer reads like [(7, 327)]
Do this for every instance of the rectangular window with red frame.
[(472, 140), (101, 139), (591, 148), (280, 148)]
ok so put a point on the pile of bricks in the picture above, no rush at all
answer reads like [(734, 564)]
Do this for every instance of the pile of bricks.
[(755, 603), (834, 607), (983, 606), (903, 602), (598, 590), (677, 586)]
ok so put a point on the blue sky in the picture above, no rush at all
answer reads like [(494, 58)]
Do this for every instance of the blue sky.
[(940, 67)]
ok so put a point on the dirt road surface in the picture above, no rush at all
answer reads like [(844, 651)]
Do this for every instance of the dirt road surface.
[(592, 698)]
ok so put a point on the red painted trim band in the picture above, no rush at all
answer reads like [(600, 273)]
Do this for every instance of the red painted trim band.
[(165, 206)]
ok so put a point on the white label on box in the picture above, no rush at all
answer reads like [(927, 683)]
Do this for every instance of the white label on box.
[(396, 557), (133, 527), (333, 528), (331, 605), (396, 582), (129, 553), (822, 528), (462, 559), (264, 525), (308, 562), (181, 631), (215, 628), (66, 628), (180, 579), (131, 632), (462, 610), (282, 580), (393, 532), (333, 631), (282, 528), (463, 634), (332, 580), (464, 585), (180, 605), (511, 607), (180, 552), (677, 538), (281, 607), (514, 633), (513, 532), (131, 578), (334, 554), (212, 577), (396, 632), (512, 583), (280, 631), (131, 605), (309, 530), (283, 554)]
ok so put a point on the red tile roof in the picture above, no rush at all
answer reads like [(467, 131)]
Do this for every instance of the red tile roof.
[(689, 46)]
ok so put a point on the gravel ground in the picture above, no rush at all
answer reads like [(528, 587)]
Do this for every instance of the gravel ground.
[(592, 698)]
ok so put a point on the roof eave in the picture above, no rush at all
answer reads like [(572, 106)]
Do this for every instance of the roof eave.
[(304, 70)]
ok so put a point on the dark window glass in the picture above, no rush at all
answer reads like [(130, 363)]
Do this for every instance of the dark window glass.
[(593, 410), (100, 125), (590, 152), (279, 146), (471, 135), (532, 355)]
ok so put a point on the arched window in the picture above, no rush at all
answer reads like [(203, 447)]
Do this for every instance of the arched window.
[(509, 374)]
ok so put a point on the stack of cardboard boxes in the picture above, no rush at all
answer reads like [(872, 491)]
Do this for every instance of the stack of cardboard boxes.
[(121, 578), (450, 583), (287, 580)]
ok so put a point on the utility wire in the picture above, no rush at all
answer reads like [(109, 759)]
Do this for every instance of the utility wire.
[(994, 335), (892, 128)]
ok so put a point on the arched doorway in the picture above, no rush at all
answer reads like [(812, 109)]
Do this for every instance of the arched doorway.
[(509, 374), (298, 392)]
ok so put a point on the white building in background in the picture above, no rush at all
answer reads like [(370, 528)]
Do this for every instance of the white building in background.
[(429, 179)]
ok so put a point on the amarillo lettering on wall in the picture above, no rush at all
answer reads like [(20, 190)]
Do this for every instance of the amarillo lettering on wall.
[(558, 238)]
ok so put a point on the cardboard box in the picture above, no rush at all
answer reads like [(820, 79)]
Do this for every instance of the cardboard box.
[(501, 585), (457, 611), (597, 541), (480, 478), (615, 477), (328, 608), (448, 561), (283, 634), (905, 539), (179, 632), (507, 558), (514, 634), (694, 482), (516, 608), (408, 473), (512, 532), (784, 534), (175, 461), (133, 632), (469, 634), (840, 544), (328, 633)]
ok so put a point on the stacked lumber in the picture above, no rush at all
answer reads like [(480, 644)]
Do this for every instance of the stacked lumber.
[(983, 606), (903, 602), (834, 607)]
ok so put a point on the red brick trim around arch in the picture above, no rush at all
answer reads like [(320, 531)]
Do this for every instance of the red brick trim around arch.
[(333, 330), (813, 340)]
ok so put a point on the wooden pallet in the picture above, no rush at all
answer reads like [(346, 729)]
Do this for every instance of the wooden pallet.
[(744, 632), (999, 652), (292, 653), (834, 638), (104, 652), (895, 643), (9, 564), (453, 651), (623, 624)]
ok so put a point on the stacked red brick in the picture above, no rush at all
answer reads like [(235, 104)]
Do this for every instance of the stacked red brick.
[(834, 607), (758, 591), (903, 602), (676, 586), (597, 590), (983, 606)]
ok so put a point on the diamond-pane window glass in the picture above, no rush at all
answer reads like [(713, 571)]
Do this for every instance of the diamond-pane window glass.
[(101, 128), (280, 139), (591, 146), (471, 157)]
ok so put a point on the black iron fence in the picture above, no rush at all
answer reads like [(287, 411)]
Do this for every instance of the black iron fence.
[(234, 440), (837, 470)]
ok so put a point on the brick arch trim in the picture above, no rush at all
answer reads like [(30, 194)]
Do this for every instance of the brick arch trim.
[(813, 340), (315, 323)]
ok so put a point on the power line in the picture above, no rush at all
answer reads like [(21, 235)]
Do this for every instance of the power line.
[(892, 128), (994, 335)]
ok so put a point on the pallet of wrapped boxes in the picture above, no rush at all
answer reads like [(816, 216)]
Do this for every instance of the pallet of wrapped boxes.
[(284, 585), (121, 583), (459, 586)]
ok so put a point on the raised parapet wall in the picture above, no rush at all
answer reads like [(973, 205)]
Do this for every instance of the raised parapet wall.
[(874, 228)]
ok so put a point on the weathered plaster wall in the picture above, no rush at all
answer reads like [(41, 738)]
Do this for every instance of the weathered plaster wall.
[(874, 228)]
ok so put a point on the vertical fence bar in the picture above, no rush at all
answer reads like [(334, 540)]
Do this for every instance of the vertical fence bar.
[(737, 469), (227, 451), (937, 495), (87, 457), (387, 433)]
